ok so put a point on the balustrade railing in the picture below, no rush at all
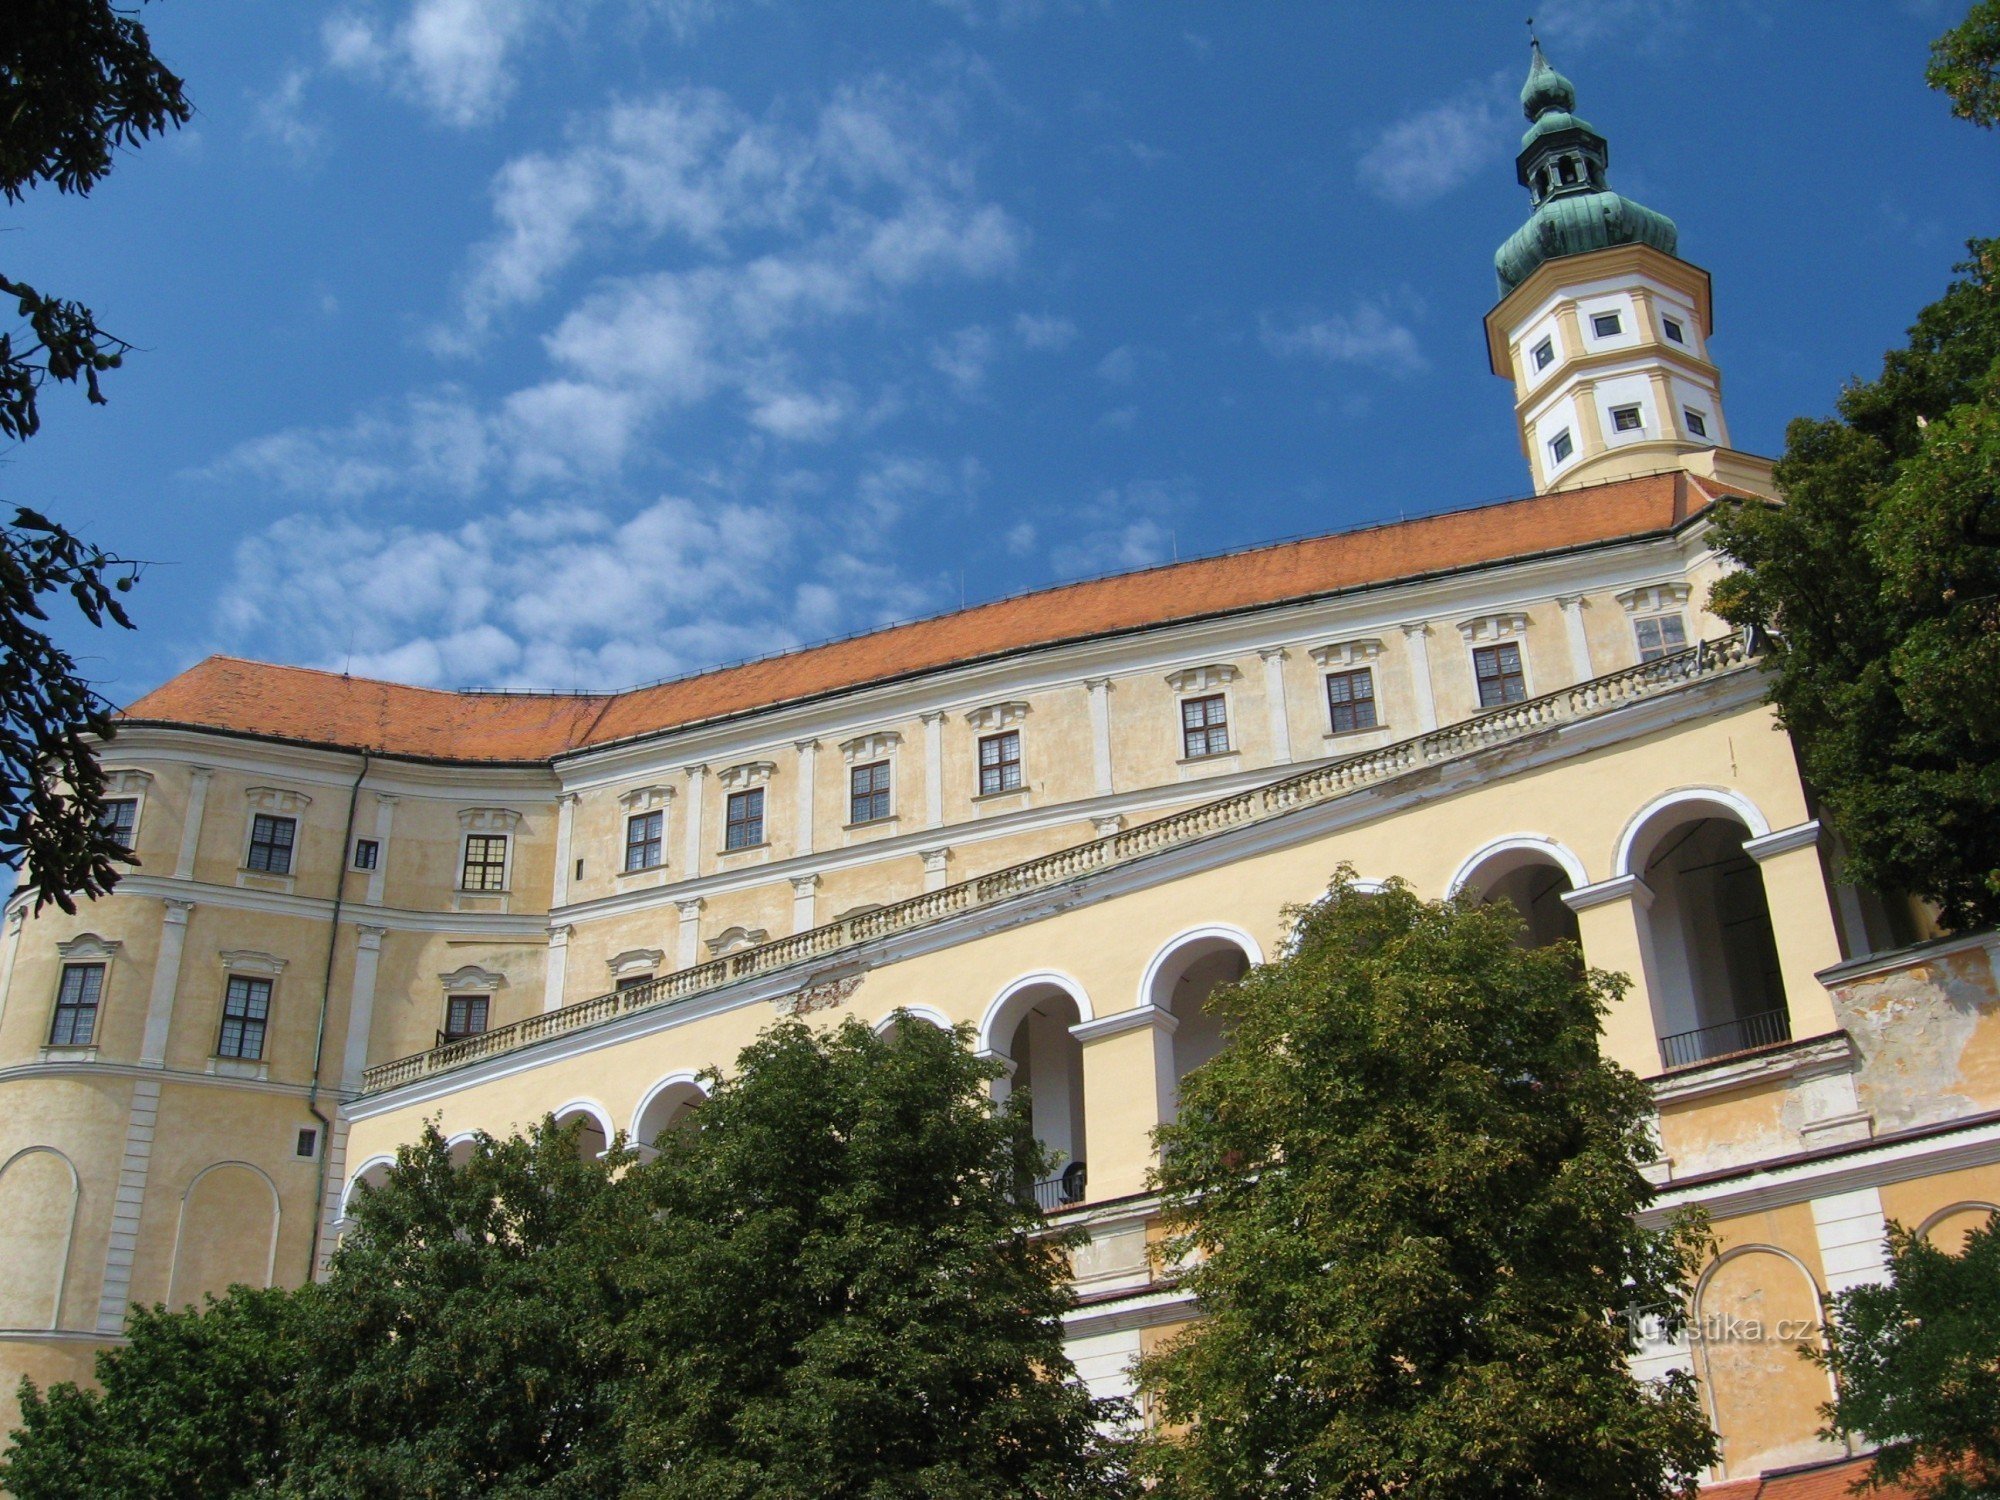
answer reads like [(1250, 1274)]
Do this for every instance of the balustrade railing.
[(1766, 1028), (1517, 721)]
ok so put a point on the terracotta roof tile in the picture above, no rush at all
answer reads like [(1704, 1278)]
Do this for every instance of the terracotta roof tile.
[(304, 704), (1829, 1481)]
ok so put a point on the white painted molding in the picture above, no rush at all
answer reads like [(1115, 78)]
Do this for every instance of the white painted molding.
[(488, 819), (251, 961), (997, 716), (88, 947), (1202, 679), (746, 774), (274, 799), (1120, 1022), (1716, 798), (1526, 843), (128, 782), (1617, 888), (1654, 598), (1500, 626), (877, 745), (470, 979), (634, 961), (1206, 934), (1004, 1008), (730, 939), (642, 799), (1783, 841), (1358, 652)]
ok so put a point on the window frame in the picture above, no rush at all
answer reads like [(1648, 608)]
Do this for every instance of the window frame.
[(1353, 703), (245, 1018), (1660, 622), (91, 1008), (1697, 422), (1205, 733), (290, 845), (374, 860), (736, 830), (1001, 764), (131, 829), (1629, 417), (501, 867), (467, 999), (1543, 354), (1672, 328), (1519, 675), (655, 841), (863, 802), (1614, 317), (1562, 447)]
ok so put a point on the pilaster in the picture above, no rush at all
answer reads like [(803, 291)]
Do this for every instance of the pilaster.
[(166, 982), (1416, 637), (1611, 923), (1129, 1088), (1274, 703), (1099, 689), (361, 1005), (198, 779)]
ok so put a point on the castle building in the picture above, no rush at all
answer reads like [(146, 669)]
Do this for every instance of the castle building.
[(1062, 819)]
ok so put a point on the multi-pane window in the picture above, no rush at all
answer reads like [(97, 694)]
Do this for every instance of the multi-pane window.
[(868, 792), (633, 981), (246, 1011), (120, 819), (271, 840), (999, 762), (1660, 635), (367, 853), (485, 862), (645, 839), (1545, 354), (1204, 726), (77, 999), (465, 1015), (1606, 325), (1697, 423), (1673, 330), (1626, 419), (1561, 447), (1350, 700), (1499, 674), (743, 819)]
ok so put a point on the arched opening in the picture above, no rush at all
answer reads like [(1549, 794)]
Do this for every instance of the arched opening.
[(1533, 880), (594, 1135), (228, 1233), (1755, 1310), (673, 1105), (1030, 1028), (1182, 978), (1711, 953), (38, 1196)]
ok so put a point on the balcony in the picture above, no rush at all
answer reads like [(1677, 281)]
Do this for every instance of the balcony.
[(1744, 1034), (1064, 1190)]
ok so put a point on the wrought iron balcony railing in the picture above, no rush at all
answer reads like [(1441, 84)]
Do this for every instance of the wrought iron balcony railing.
[(1766, 1028), (1321, 784), (1064, 1190)]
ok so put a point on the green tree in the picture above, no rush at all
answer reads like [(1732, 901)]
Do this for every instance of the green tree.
[(1965, 64), (1405, 1197), (1880, 576), (78, 81), (1916, 1364), (850, 1298)]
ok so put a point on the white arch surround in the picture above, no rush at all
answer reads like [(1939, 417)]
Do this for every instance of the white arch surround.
[(597, 1113), (1539, 845), (1000, 1013), (383, 1160), (936, 1018), (180, 1223), (69, 1228), (1711, 1407), (1969, 1206), (1713, 801), (686, 1080), (459, 1147), (1209, 932)]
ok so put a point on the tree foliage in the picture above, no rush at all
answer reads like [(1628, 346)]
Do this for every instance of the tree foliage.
[(832, 1288), (1404, 1197), (1880, 575), (78, 81), (1965, 64), (1916, 1365)]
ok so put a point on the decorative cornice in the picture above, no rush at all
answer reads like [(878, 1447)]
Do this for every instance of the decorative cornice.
[(252, 961), (88, 947), (997, 716), (473, 980), (877, 745), (1346, 653), (1202, 679), (645, 798), (748, 773), (1120, 1022), (1617, 888), (1782, 841), (276, 799), (488, 819), (1499, 626), (1654, 598)]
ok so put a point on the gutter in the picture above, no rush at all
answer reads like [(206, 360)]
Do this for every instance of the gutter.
[(325, 999)]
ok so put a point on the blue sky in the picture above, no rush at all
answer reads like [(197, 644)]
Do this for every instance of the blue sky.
[(564, 343)]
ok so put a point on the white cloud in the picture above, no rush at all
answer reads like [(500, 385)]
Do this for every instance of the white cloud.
[(1044, 331), (1121, 527), (1425, 155), (963, 357), (281, 116), (1370, 335), (1119, 366)]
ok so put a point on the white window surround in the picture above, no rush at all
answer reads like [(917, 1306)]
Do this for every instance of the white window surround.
[(274, 799), (1229, 721), (750, 773), (253, 962), (865, 748), (645, 799), (633, 811), (84, 948), (995, 717), (1196, 681), (1654, 598), (250, 963), (488, 820), (1558, 459), (470, 979), (506, 861), (635, 961), (272, 802), (129, 785), (734, 940), (1336, 656), (1484, 630)]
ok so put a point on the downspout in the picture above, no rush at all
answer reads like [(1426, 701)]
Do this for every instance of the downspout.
[(326, 999)]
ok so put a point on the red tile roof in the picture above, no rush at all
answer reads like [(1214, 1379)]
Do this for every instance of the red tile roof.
[(325, 708), (1828, 1481)]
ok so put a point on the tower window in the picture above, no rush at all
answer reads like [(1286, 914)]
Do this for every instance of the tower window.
[(367, 853), (246, 1011), (77, 998), (1498, 672), (120, 819), (1560, 447), (1204, 726), (1350, 700), (868, 793), (1545, 354), (485, 863), (999, 762), (465, 1015), (1673, 329), (1697, 423), (743, 820), (271, 841), (1660, 635), (1626, 419), (645, 835), (1606, 325)]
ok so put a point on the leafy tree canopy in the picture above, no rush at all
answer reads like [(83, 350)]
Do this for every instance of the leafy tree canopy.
[(1965, 64), (1404, 1197), (1916, 1363), (832, 1288), (78, 81)]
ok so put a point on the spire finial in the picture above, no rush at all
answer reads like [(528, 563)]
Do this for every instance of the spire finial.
[(1546, 89)]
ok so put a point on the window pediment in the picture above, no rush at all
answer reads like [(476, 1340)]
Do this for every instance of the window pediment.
[(645, 798), (750, 773), (130, 782), (276, 799), (997, 716), (1494, 627), (88, 947), (1654, 598), (252, 961), (1202, 679), (877, 746), (1336, 654), (488, 819), (472, 980), (734, 939), (635, 961)]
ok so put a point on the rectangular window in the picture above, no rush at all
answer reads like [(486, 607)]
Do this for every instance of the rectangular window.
[(1498, 672), (868, 793), (1606, 325), (1674, 330), (308, 1146), (743, 823), (1350, 700), (1661, 635), (1545, 354), (1697, 423), (485, 862), (1560, 447), (465, 1015), (1626, 419), (77, 999), (271, 844), (367, 853), (246, 1011), (632, 982), (1204, 726), (120, 818), (999, 762), (645, 839)]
